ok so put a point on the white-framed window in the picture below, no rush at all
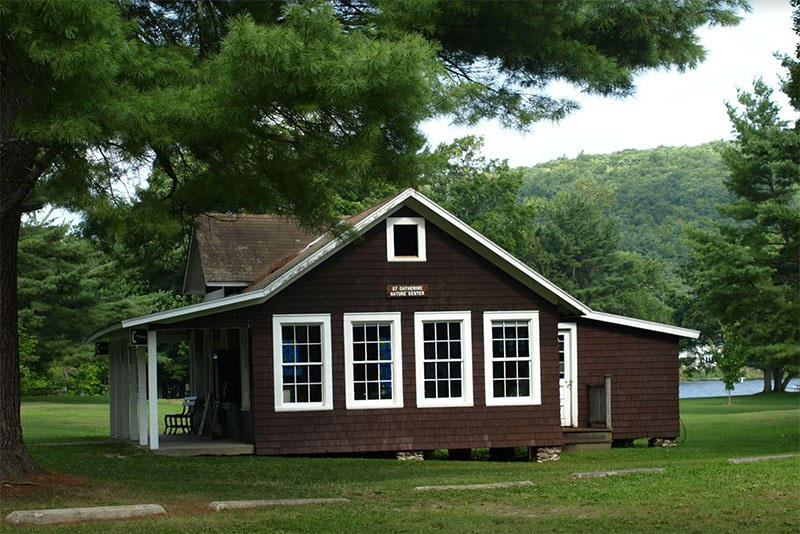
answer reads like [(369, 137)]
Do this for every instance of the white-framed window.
[(443, 346), (511, 358), (302, 362), (405, 239), (373, 357)]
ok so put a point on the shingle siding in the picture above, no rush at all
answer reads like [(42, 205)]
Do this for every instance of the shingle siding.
[(644, 378)]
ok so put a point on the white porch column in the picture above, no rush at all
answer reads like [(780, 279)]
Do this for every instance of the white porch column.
[(124, 421), (130, 364), (152, 386), (141, 364), (192, 364), (119, 428), (112, 389)]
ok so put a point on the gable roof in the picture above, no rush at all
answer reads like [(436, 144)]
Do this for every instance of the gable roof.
[(285, 271), (234, 249)]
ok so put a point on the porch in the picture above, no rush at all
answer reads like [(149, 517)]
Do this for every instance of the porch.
[(218, 375)]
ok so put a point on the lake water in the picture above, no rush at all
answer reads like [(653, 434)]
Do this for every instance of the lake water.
[(716, 388)]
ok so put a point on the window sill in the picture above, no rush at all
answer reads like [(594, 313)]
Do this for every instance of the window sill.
[(444, 403), (513, 401), (367, 405), (306, 408)]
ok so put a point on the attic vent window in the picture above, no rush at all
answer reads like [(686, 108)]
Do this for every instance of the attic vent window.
[(405, 239)]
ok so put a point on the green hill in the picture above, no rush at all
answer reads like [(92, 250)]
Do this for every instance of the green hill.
[(658, 192)]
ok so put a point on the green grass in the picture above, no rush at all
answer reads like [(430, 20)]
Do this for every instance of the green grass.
[(699, 492), (54, 419)]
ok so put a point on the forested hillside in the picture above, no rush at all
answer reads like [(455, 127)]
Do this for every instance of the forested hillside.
[(657, 193)]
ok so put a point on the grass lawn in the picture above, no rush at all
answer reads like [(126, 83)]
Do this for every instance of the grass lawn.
[(699, 492), (53, 419)]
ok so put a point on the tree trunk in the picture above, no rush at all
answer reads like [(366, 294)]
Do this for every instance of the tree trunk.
[(767, 380), (17, 462), (729, 396), (777, 379), (786, 381)]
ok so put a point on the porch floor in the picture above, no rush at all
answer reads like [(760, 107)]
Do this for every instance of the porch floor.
[(192, 445)]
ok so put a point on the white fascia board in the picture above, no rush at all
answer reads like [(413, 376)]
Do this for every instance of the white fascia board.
[(193, 310), (104, 332), (644, 325), (262, 295), (496, 253)]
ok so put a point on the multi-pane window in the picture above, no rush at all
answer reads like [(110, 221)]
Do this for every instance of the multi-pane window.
[(373, 360), (443, 358), (301, 352), (511, 357), (302, 362), (561, 354)]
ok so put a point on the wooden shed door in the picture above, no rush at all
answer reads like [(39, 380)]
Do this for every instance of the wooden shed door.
[(567, 374)]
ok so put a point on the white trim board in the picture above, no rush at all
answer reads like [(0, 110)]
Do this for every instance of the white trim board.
[(641, 323)]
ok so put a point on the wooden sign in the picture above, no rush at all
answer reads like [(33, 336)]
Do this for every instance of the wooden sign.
[(395, 291), (138, 337), (101, 348)]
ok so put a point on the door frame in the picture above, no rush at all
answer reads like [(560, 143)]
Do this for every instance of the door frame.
[(571, 371)]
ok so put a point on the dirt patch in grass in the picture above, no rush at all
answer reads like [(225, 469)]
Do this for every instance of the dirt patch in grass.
[(49, 481)]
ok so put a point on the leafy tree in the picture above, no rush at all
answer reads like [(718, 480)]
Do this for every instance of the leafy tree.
[(277, 105), (730, 358), (481, 193), (68, 289), (576, 235), (746, 272), (657, 192)]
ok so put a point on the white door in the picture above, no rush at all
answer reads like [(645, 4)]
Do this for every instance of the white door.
[(568, 373)]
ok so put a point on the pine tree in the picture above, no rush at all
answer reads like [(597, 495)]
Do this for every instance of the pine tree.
[(746, 273)]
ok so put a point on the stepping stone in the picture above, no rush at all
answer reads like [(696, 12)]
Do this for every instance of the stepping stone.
[(592, 474), (68, 515), (219, 506), (476, 486), (761, 458)]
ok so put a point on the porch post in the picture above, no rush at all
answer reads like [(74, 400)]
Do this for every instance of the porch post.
[(141, 364), (608, 401), (118, 423), (130, 365), (152, 384), (112, 389), (124, 423)]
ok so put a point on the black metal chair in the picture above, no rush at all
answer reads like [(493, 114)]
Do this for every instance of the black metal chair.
[(181, 421)]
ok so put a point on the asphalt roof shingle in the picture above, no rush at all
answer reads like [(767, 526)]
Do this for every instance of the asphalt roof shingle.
[(237, 248)]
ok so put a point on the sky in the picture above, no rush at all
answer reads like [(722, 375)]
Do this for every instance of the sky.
[(669, 108)]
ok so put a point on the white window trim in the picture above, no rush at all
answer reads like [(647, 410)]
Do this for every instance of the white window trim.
[(397, 360), (420, 224), (467, 397), (323, 319), (532, 317)]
